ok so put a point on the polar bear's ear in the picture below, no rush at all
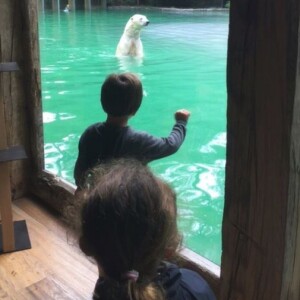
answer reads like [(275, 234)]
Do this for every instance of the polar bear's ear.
[(131, 18)]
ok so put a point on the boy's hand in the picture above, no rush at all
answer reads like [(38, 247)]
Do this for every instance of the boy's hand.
[(182, 115)]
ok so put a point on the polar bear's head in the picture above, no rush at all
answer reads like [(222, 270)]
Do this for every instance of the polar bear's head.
[(137, 22)]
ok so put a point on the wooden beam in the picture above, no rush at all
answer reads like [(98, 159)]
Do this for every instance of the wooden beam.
[(55, 5), (262, 55), (104, 4), (32, 85), (87, 4), (291, 275), (8, 240), (14, 47), (72, 4)]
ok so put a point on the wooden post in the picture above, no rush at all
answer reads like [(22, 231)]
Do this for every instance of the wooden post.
[(29, 39), (41, 5), (262, 166), (7, 154), (8, 240), (87, 4), (72, 4), (55, 5), (291, 274), (104, 4)]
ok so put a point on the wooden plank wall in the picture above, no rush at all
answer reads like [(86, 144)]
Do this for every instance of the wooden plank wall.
[(262, 56), (12, 90), (29, 41), (291, 272)]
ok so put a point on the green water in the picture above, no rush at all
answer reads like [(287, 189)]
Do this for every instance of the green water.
[(184, 67)]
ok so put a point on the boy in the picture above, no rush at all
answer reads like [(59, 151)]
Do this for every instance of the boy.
[(121, 97)]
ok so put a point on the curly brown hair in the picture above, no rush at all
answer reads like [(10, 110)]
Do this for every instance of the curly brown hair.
[(128, 222)]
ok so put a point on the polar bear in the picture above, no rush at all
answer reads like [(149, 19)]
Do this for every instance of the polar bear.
[(130, 43)]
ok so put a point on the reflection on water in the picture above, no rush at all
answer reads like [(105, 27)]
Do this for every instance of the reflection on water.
[(183, 67), (218, 140), (127, 63), (58, 156), (49, 117), (200, 193), (208, 182)]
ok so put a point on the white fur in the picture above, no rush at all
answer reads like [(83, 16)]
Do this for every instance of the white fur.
[(130, 43)]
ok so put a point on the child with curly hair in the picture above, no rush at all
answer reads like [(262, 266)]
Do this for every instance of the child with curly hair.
[(128, 225)]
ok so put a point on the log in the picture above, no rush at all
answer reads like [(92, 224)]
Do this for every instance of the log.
[(262, 56)]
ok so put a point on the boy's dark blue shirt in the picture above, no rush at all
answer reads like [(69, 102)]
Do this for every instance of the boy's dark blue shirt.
[(101, 142)]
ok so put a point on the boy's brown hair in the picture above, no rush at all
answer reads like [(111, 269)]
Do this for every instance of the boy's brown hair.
[(121, 94)]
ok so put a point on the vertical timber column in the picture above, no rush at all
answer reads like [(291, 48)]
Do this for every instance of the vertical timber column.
[(55, 5), (261, 81), (104, 4), (8, 240), (29, 39), (41, 5), (72, 4), (291, 275), (87, 4)]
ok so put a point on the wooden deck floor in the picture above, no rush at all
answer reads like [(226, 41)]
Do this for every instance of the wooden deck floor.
[(54, 268)]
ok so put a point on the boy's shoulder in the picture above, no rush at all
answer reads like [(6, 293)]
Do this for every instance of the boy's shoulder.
[(90, 132), (94, 127), (100, 128)]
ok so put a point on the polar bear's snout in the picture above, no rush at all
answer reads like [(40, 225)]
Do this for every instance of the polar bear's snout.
[(139, 19), (146, 22), (130, 43)]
